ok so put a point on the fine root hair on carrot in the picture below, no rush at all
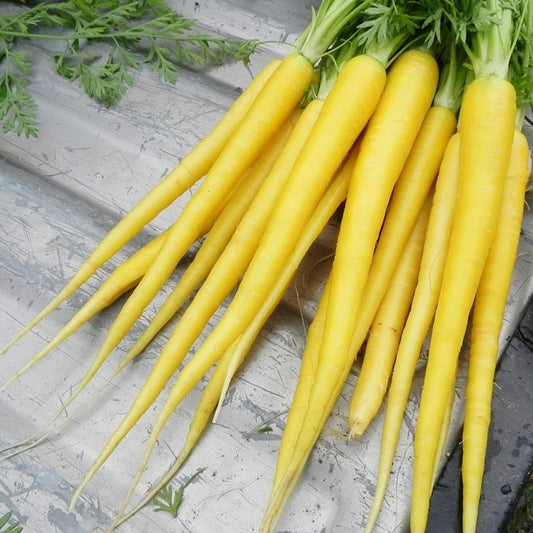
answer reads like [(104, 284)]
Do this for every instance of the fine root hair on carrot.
[(191, 168)]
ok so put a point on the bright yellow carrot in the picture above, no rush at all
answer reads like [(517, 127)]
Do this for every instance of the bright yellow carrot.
[(272, 106), (225, 266), (486, 127), (344, 114), (420, 316), (191, 168), (332, 198), (411, 189), (487, 318), (408, 94), (386, 330)]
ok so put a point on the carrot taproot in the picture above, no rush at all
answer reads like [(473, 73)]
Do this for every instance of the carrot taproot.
[(414, 182), (420, 316), (330, 139), (330, 201), (266, 115), (190, 169), (225, 258), (386, 329), (392, 129), (487, 318), (486, 127)]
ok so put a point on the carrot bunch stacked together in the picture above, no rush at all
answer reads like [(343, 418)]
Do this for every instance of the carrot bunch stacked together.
[(376, 108)]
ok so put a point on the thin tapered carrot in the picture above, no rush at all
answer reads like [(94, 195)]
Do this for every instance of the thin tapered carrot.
[(487, 318), (386, 329), (306, 378), (121, 280), (486, 128), (420, 316), (328, 143), (418, 174), (206, 406), (392, 130), (225, 273), (191, 168), (153, 385), (263, 120), (332, 198), (229, 263), (210, 249)]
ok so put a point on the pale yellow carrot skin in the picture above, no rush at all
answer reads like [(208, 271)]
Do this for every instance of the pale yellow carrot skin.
[(191, 168), (410, 89), (386, 329), (420, 316), (486, 127), (417, 176), (487, 319), (214, 394), (225, 254)]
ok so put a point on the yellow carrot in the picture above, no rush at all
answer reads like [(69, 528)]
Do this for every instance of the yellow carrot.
[(408, 94), (272, 106), (487, 318), (191, 168), (332, 198), (420, 315), (486, 127), (384, 336), (240, 246), (329, 141), (417, 175)]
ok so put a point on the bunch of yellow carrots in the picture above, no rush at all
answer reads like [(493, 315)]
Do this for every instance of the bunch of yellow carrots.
[(411, 113)]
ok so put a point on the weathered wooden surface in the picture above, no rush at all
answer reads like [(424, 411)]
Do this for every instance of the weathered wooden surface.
[(59, 195)]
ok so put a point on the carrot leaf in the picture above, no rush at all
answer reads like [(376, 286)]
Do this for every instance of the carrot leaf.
[(105, 42), (6, 527), (169, 499)]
